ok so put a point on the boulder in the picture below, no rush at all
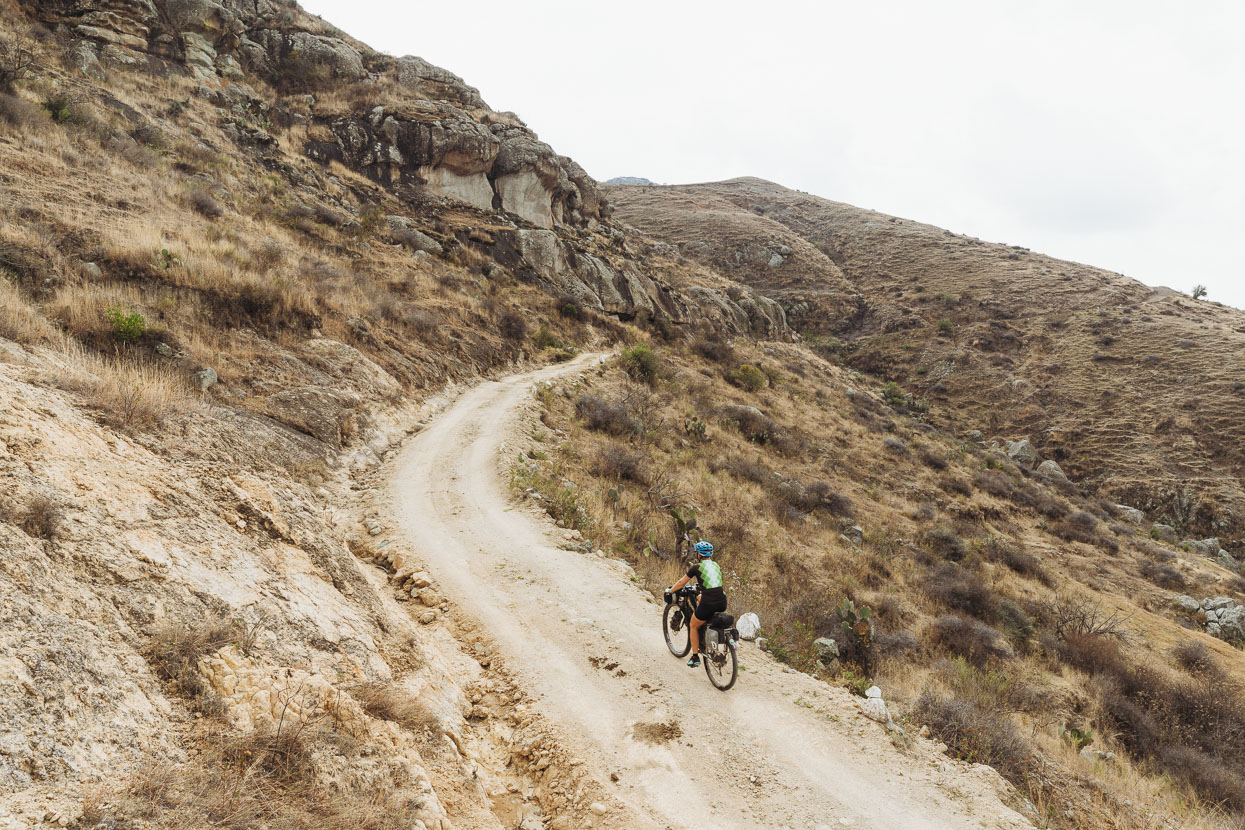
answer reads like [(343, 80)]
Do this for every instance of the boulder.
[(350, 368), (1202, 547), (749, 625), (205, 378), (1225, 619), (1022, 452), (873, 707), (976, 436), (827, 649), (401, 230), (854, 534), (1131, 514), (319, 411), (1051, 471), (1228, 561), (83, 56), (1162, 532), (1186, 603), (338, 58)]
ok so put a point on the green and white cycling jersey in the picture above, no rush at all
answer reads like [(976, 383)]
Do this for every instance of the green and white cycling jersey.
[(709, 576)]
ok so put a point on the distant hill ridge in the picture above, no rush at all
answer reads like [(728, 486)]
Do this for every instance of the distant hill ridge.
[(1134, 390)]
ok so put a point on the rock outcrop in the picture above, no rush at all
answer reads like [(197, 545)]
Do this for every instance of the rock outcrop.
[(421, 132), (1225, 619)]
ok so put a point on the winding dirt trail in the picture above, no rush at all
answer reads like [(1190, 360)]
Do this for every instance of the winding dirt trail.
[(781, 750)]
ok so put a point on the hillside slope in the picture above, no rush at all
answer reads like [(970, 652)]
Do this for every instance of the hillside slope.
[(1134, 391)]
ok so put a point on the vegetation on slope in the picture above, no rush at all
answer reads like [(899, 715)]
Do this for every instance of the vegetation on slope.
[(1132, 390), (1010, 614)]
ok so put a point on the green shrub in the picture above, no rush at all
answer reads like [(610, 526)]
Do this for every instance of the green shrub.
[(545, 339), (749, 377), (126, 327), (945, 327), (640, 362), (60, 106)]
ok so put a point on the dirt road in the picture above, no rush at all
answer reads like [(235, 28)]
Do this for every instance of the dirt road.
[(781, 750)]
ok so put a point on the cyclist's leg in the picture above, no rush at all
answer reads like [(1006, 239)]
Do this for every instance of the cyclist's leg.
[(694, 633)]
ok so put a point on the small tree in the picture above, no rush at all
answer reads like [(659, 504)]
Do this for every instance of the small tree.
[(17, 63), (1199, 291)]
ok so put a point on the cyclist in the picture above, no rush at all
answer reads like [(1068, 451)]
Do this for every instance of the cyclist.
[(712, 598)]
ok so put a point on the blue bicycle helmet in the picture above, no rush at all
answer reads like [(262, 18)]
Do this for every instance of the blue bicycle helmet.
[(704, 549)]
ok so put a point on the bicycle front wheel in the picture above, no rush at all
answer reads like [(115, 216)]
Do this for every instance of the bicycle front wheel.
[(674, 627), (722, 666)]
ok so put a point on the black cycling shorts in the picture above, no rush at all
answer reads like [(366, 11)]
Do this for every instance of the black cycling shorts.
[(709, 606)]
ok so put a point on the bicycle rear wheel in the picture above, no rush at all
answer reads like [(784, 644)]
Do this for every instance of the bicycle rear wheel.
[(675, 629), (722, 666)]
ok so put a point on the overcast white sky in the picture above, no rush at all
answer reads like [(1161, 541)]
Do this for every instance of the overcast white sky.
[(1112, 133)]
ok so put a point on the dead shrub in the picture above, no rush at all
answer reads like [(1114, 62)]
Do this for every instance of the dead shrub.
[(1091, 653), (1190, 728), (956, 484), (822, 497), (621, 464), (1049, 506), (994, 482), (19, 114), (1164, 576), (977, 734), (896, 643), (512, 326), (391, 702), (204, 204), (1018, 560), (945, 543), (971, 639), (960, 589), (423, 321), (40, 517), (742, 468), (613, 417), (175, 649), (718, 351), (1067, 615), (267, 255), (1195, 658), (751, 423), (932, 458)]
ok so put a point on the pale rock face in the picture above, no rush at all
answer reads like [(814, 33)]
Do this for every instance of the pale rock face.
[(525, 195), (322, 412), (472, 188)]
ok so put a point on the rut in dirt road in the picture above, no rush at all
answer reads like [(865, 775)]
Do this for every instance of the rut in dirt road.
[(779, 750)]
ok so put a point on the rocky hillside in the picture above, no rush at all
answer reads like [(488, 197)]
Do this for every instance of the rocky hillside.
[(240, 253), (1134, 391)]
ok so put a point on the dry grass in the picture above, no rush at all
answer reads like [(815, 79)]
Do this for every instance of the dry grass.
[(931, 547), (391, 702), (246, 782), (175, 649)]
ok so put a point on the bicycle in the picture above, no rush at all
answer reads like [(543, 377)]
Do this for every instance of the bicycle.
[(718, 637)]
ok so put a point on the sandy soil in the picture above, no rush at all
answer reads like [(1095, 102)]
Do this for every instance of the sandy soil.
[(780, 750)]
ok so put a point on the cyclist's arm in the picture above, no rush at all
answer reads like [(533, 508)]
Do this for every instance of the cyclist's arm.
[(676, 586)]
